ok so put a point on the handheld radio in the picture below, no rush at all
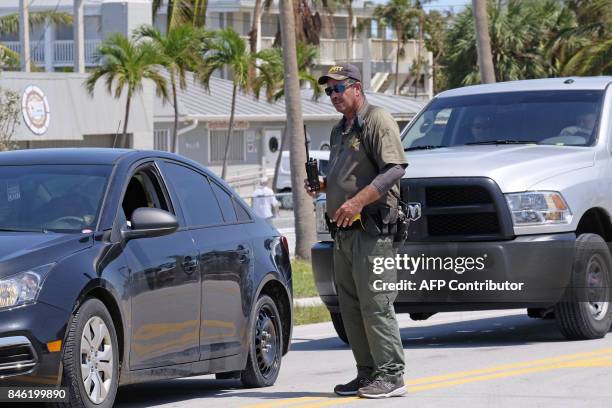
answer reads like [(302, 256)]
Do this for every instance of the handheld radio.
[(312, 168)]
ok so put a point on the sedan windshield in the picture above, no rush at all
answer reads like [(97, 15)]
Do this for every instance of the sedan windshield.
[(537, 117), (41, 198)]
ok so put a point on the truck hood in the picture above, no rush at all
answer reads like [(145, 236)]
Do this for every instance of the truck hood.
[(513, 167)]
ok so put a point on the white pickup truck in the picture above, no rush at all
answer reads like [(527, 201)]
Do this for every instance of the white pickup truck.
[(521, 172)]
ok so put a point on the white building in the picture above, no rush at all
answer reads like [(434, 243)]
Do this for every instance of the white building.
[(372, 49)]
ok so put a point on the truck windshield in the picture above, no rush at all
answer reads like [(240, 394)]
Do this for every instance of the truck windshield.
[(543, 117), (61, 198)]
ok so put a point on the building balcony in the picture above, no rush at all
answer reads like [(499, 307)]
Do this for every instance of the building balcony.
[(62, 52)]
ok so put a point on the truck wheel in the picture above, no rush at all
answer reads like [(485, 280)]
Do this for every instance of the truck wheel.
[(339, 326), (586, 313)]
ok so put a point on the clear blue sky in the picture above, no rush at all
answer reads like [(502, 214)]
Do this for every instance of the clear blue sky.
[(457, 5)]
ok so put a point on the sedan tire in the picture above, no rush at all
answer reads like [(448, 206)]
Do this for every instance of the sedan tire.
[(91, 358), (265, 346)]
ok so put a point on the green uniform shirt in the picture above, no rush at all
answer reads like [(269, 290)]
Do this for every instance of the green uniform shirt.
[(358, 155)]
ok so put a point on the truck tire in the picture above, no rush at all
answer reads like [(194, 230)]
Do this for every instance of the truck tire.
[(339, 326), (586, 312)]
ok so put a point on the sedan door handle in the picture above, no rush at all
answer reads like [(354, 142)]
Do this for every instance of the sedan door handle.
[(241, 250), (190, 264), (243, 254)]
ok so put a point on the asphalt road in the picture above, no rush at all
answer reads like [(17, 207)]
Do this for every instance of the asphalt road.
[(476, 359)]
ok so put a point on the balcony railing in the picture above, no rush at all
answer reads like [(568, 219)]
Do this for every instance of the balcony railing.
[(63, 51)]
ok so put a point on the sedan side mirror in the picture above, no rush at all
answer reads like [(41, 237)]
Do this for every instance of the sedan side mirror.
[(150, 222)]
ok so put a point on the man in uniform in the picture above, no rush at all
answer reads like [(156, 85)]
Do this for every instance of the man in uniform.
[(366, 162)]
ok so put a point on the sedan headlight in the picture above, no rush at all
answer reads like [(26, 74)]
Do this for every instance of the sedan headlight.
[(320, 209), (22, 288), (538, 208)]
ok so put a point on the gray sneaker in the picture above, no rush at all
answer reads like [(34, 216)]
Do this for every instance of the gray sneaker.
[(350, 388), (381, 388)]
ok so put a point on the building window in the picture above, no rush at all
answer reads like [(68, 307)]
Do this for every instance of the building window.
[(217, 146), (161, 139)]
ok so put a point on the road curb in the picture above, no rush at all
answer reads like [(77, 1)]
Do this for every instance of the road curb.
[(308, 302)]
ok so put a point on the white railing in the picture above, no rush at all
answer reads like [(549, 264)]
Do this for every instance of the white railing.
[(63, 51), (331, 51)]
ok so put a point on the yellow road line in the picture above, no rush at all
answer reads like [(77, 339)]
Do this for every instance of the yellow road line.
[(598, 358), (331, 402), (506, 367), (285, 402), (594, 362)]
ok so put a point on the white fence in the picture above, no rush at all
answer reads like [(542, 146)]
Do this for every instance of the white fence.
[(63, 51)]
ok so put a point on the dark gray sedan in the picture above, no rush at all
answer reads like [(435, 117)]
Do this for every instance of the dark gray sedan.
[(123, 266)]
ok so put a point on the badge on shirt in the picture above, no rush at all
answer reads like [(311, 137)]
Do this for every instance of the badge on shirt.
[(354, 143)]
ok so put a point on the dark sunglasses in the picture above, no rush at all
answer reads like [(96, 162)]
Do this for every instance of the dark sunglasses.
[(338, 88)]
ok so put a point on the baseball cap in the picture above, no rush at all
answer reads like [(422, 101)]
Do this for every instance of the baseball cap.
[(340, 73)]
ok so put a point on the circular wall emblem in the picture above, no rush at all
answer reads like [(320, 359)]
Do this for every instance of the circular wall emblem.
[(35, 109)]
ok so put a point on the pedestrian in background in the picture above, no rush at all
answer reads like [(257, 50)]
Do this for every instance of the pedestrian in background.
[(362, 186), (265, 203)]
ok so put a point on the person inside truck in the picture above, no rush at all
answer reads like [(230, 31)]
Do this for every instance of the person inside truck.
[(584, 124), (481, 128)]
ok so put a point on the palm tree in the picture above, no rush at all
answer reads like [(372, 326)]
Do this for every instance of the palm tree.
[(272, 79), (272, 75), (587, 40), (10, 24), (179, 12), (483, 41), (519, 33), (227, 49), (436, 24), (179, 50), (304, 222), (399, 14), (126, 64)]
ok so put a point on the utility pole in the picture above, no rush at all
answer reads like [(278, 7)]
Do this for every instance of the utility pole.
[(24, 34), (79, 37), (302, 202), (483, 42)]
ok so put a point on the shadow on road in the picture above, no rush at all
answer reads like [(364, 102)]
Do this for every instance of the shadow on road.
[(497, 331), (175, 391)]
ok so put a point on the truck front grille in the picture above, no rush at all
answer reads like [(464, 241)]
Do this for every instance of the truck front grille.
[(458, 209)]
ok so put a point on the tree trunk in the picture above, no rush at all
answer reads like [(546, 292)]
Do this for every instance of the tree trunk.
[(349, 9), (398, 32), (229, 131), (419, 55), (483, 42), (125, 120), (254, 37), (175, 130), (283, 146), (302, 203)]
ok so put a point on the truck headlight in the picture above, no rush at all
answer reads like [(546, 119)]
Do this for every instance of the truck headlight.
[(320, 209), (22, 288), (538, 208)]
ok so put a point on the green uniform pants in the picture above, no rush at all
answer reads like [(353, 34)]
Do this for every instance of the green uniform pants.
[(368, 315)]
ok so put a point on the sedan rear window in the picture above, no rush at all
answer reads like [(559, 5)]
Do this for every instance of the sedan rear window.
[(65, 198)]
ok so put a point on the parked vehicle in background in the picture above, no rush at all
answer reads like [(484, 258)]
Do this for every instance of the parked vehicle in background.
[(283, 181), (121, 266), (520, 171)]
